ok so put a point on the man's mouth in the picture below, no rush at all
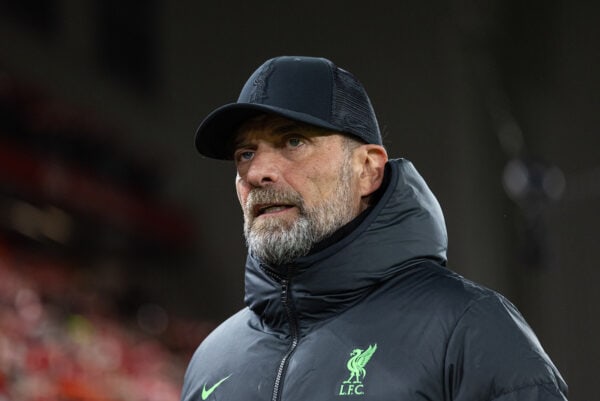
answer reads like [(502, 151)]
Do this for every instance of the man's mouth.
[(271, 209)]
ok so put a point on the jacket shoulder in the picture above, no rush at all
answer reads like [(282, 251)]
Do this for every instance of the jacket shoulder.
[(488, 351), (492, 353), (437, 289)]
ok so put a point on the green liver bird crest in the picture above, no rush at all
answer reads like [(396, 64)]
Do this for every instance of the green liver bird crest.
[(357, 362)]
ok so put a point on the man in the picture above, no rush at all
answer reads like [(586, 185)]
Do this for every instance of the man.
[(347, 292)]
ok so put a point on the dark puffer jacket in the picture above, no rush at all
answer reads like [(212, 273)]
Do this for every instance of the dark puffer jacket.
[(374, 316)]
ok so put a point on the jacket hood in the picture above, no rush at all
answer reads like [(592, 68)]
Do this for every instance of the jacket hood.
[(405, 227)]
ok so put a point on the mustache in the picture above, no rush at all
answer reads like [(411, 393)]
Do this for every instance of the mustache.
[(262, 196)]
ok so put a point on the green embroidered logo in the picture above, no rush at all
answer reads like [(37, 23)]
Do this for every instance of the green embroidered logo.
[(356, 365), (206, 393)]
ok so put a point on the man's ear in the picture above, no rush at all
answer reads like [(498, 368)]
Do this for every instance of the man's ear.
[(372, 160)]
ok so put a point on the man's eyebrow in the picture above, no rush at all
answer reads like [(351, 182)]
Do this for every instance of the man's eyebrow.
[(305, 128), (239, 143), (284, 129)]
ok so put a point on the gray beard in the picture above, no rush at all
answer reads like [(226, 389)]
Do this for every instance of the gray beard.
[(278, 242)]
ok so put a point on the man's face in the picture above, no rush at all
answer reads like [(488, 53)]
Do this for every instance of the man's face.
[(296, 185)]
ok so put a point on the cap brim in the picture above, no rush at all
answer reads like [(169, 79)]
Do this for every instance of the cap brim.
[(215, 135)]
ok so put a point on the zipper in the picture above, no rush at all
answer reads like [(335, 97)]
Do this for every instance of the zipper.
[(286, 300)]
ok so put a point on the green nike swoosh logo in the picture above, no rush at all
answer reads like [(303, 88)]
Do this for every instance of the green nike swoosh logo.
[(206, 393)]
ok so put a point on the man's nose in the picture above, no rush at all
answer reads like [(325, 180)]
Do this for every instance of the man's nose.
[(264, 168)]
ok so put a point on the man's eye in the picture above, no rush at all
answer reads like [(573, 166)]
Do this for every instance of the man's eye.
[(245, 156), (294, 142)]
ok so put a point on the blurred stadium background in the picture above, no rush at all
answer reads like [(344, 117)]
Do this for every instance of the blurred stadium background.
[(121, 248)]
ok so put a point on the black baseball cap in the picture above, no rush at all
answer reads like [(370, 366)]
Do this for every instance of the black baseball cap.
[(307, 89)]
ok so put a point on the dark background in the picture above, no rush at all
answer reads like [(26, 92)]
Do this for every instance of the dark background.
[(495, 102)]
